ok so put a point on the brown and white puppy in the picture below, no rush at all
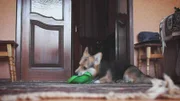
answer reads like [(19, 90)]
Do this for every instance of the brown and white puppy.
[(107, 72)]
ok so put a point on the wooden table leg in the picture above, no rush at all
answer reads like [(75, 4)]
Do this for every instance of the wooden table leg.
[(155, 67), (148, 54), (11, 62)]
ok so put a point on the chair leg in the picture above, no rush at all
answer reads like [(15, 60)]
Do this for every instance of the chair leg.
[(11, 62), (139, 58), (155, 68), (148, 55), (14, 68)]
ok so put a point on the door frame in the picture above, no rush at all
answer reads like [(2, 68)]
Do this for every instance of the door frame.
[(130, 35), (18, 38), (131, 32), (19, 29)]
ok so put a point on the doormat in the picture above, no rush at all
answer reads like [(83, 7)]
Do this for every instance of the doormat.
[(161, 89)]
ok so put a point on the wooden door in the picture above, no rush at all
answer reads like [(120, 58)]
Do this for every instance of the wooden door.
[(123, 32), (45, 40)]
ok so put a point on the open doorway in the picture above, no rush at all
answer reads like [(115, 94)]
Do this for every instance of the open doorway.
[(101, 25)]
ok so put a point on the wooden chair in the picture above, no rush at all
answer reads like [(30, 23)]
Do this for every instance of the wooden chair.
[(148, 51), (7, 50)]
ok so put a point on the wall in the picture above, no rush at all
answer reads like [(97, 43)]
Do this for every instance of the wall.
[(149, 13), (7, 28)]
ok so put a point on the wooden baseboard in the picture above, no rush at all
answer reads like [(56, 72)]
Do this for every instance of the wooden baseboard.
[(5, 80)]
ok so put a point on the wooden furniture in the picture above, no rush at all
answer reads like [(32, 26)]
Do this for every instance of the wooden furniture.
[(170, 34), (148, 51), (7, 49)]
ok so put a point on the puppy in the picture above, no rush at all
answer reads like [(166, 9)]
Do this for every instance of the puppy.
[(108, 72)]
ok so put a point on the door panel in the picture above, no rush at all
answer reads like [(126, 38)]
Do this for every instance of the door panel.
[(121, 37), (123, 32), (46, 40)]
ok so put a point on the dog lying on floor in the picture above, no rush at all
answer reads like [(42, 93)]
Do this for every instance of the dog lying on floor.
[(108, 72)]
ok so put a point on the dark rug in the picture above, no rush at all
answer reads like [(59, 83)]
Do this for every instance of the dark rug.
[(30, 91), (28, 87)]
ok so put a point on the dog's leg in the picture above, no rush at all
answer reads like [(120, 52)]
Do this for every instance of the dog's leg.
[(106, 79)]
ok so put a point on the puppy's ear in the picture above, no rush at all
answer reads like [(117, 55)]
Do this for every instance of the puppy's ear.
[(86, 51), (97, 58), (85, 55)]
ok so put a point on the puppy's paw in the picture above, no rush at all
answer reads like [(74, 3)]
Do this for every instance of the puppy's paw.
[(97, 82), (81, 73)]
